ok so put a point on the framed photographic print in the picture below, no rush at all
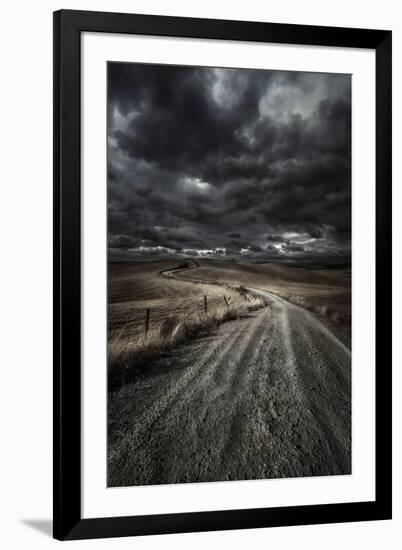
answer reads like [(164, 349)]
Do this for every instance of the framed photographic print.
[(222, 209)]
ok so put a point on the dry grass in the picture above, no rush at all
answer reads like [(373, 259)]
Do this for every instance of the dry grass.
[(266, 276), (336, 310), (127, 355), (137, 286), (326, 293)]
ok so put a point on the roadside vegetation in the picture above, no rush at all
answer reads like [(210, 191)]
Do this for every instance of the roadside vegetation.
[(128, 356), (337, 314), (326, 293)]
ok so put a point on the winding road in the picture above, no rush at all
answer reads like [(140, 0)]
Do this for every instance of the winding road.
[(264, 397)]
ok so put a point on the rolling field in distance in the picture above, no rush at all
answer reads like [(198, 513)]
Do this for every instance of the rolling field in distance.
[(135, 286), (326, 292), (151, 310)]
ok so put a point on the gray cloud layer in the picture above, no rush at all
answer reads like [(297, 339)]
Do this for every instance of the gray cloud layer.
[(228, 162)]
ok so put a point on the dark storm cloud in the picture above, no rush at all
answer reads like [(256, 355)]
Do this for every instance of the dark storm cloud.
[(293, 247), (228, 162)]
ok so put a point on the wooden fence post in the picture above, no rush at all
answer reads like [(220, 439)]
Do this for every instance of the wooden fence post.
[(147, 315), (226, 300), (205, 305)]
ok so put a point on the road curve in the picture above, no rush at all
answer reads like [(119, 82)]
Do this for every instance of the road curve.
[(264, 397)]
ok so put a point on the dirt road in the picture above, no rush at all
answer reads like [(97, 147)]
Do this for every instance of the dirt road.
[(266, 396)]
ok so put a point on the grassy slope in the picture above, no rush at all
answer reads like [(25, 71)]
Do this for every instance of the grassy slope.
[(134, 287), (177, 313), (326, 292)]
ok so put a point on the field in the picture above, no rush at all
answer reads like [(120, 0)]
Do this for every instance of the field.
[(135, 287), (157, 305), (325, 292), (151, 310)]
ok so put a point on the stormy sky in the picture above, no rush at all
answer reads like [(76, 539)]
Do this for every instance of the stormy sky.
[(228, 163)]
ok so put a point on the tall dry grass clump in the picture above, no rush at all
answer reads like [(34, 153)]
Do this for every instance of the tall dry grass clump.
[(127, 357), (337, 315)]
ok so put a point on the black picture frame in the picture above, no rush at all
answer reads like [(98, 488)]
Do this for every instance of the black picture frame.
[(68, 522)]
